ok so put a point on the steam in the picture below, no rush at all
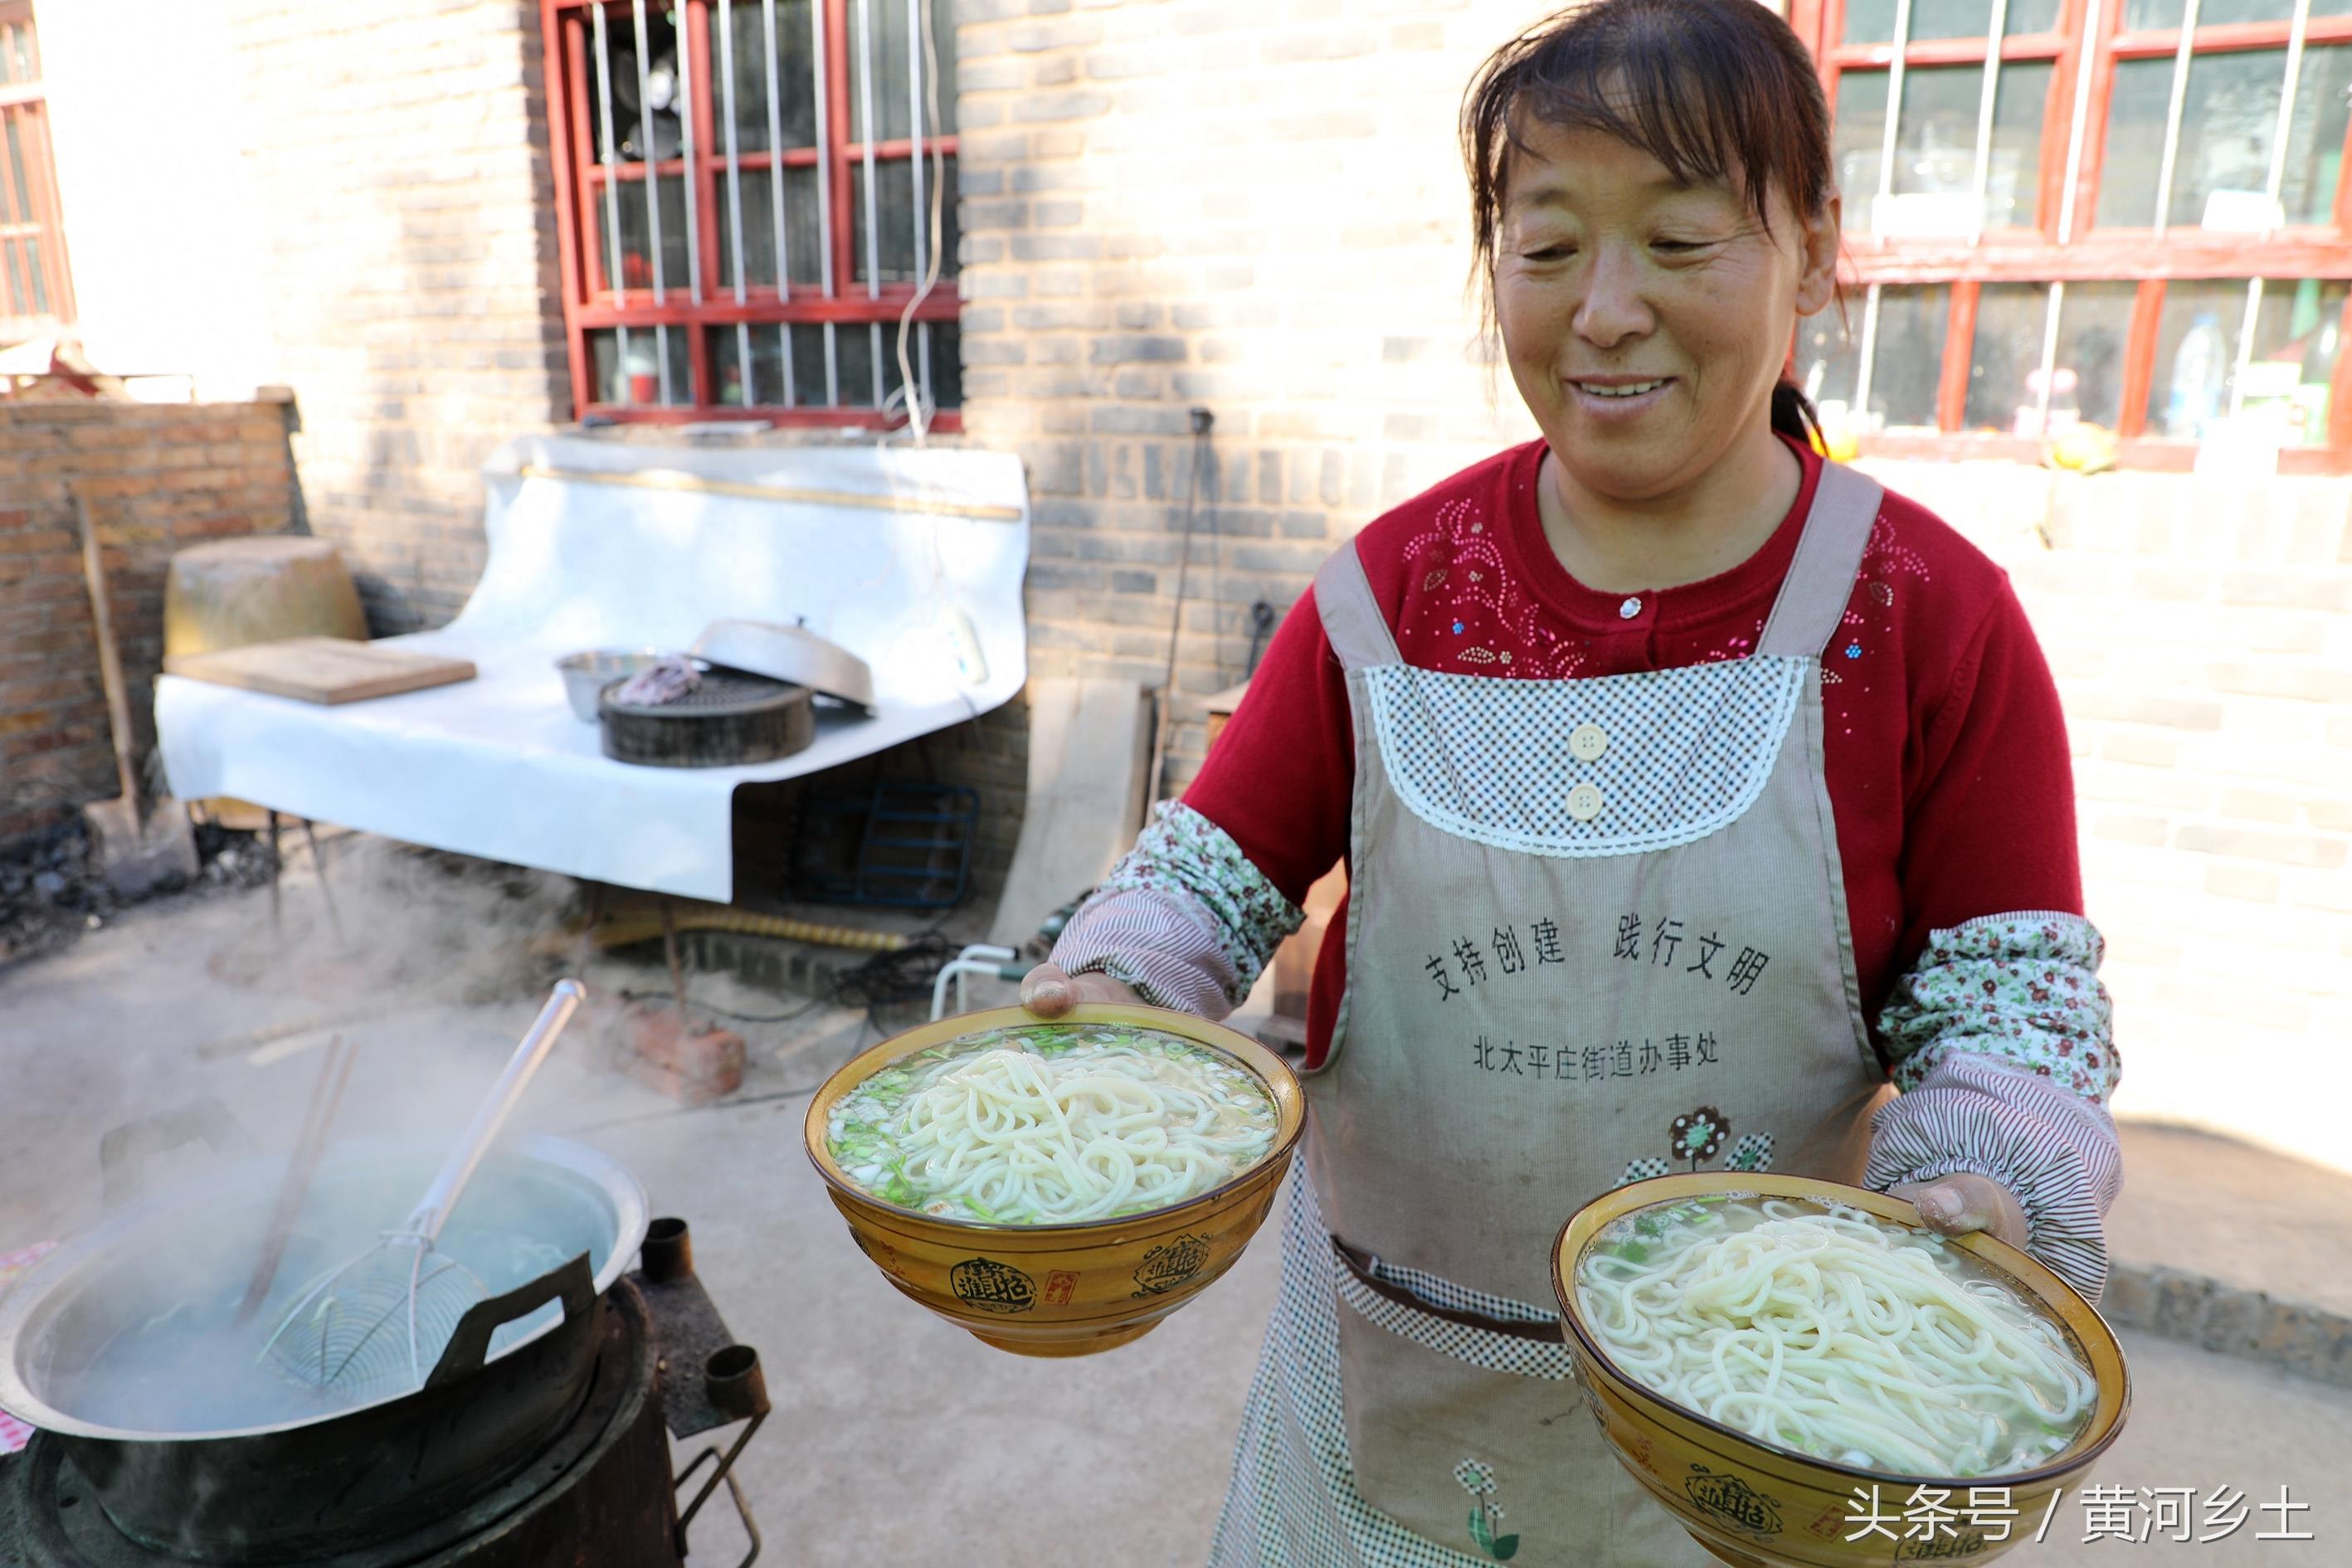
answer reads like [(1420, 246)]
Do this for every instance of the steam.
[(432, 966)]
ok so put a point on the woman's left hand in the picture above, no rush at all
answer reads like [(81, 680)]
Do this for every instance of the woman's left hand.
[(1963, 1202)]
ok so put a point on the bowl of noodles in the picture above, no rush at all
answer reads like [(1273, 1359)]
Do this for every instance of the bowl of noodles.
[(1057, 1187), (1804, 1373)]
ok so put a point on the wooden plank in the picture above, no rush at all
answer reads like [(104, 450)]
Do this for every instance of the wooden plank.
[(321, 670), (1089, 747)]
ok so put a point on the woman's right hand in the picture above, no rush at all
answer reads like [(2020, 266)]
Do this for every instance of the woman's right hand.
[(1049, 993)]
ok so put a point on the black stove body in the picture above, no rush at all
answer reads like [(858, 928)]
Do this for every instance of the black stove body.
[(598, 1493)]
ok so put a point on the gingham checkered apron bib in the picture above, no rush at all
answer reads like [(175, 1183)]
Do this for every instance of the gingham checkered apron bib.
[(1596, 932)]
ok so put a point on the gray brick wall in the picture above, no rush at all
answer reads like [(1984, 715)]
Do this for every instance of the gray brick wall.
[(401, 151), (1254, 208)]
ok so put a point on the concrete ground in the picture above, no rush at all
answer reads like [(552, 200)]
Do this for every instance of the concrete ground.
[(897, 1438)]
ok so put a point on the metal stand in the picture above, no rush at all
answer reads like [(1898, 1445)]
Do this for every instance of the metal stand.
[(318, 861)]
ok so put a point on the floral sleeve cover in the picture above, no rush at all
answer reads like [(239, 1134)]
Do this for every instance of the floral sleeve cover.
[(2000, 1039), (1185, 918)]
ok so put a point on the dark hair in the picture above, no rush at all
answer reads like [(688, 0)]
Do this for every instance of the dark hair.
[(1714, 90)]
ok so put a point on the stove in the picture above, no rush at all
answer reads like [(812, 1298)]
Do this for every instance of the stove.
[(599, 1493)]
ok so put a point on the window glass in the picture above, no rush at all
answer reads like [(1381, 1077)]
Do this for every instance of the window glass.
[(2136, 107), (1934, 182), (2005, 359), (644, 105), (2162, 16), (1857, 139), (2297, 332), (2196, 345), (1873, 21), (2087, 372), (803, 236), (2314, 138), (631, 374), (894, 186), (895, 51), (795, 75), (637, 235), (1907, 360), (1828, 360), (2228, 123)]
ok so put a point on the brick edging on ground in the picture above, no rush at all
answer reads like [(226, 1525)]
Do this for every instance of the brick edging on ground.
[(2178, 1305)]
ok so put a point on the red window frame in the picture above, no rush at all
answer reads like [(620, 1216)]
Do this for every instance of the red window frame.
[(2036, 253), (590, 304), (33, 226)]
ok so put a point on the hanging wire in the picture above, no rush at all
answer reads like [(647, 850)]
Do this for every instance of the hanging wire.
[(913, 397)]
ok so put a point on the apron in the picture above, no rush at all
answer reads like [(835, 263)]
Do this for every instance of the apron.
[(1596, 932)]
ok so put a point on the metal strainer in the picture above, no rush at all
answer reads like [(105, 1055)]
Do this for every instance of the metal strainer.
[(373, 1327)]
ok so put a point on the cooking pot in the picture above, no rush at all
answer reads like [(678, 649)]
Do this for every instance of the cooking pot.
[(120, 1342)]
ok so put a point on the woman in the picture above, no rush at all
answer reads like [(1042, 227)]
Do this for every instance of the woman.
[(1692, 791)]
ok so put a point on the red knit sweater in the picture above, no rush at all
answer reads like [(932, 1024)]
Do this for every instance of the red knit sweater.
[(1949, 773)]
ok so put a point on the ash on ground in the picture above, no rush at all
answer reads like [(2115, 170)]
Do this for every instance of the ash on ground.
[(51, 889)]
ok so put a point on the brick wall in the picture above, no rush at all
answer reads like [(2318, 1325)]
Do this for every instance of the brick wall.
[(156, 479), (399, 154), (2202, 635), (1257, 208)]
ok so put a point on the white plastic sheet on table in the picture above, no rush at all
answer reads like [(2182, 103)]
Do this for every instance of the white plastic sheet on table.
[(499, 767)]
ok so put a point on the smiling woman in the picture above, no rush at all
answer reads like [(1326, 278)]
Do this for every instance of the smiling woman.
[(1687, 784)]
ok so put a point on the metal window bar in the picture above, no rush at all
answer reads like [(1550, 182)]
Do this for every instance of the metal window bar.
[(653, 200), (2181, 59), (874, 357), (2277, 181), (824, 201), (2077, 138), (2049, 358), (2245, 346), (611, 160), (686, 89), (2078, 132), (1868, 351), (1984, 172), (872, 129), (743, 367), (915, 119), (2296, 34), (1893, 120), (776, 195)]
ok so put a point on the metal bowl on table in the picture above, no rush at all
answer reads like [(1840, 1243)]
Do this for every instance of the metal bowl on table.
[(586, 675), (1062, 1289), (1758, 1506)]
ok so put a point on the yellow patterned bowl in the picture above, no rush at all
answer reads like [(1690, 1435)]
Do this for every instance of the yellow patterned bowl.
[(1062, 1289), (1759, 1507)]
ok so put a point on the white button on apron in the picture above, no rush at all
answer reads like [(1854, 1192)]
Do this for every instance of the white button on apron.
[(1630, 608), (1587, 742), (1584, 802)]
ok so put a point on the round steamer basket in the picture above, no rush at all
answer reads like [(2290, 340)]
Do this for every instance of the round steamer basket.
[(1759, 1507), (725, 720), (1062, 1289)]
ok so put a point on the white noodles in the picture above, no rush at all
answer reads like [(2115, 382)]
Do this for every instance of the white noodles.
[(1046, 1126), (1829, 1332)]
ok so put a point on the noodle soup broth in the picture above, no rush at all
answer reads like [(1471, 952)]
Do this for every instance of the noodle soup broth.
[(1052, 1123), (1829, 1333)]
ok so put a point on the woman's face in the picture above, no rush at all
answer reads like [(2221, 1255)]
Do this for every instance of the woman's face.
[(1647, 321)]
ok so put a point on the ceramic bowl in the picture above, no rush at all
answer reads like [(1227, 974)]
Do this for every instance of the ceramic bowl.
[(1062, 1289), (1752, 1505)]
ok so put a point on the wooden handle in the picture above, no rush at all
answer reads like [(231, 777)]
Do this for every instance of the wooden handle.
[(110, 658)]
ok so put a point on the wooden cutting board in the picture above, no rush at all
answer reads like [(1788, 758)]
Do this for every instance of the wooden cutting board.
[(321, 670)]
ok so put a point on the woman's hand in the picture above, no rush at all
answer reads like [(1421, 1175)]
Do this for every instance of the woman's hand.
[(1049, 993), (1954, 1205)]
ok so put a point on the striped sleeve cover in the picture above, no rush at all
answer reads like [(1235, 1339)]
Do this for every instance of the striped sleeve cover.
[(2001, 1035), (1185, 917)]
